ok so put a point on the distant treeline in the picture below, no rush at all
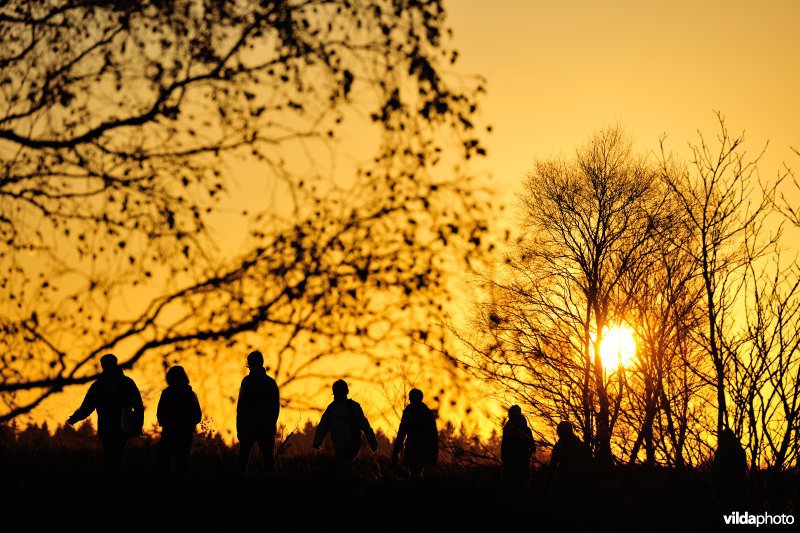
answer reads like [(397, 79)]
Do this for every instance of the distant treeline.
[(458, 445)]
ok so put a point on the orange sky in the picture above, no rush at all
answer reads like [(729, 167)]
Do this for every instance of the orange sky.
[(558, 70)]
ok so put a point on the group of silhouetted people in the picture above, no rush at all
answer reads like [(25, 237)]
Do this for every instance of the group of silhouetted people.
[(120, 414)]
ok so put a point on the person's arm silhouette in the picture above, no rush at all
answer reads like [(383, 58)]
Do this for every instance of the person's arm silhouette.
[(323, 428), (197, 414), (531, 442), (434, 436), (275, 403), (367, 429), (402, 432), (555, 461), (87, 407), (241, 406), (162, 410), (137, 408)]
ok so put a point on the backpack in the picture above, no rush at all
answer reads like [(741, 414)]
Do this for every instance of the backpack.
[(130, 422)]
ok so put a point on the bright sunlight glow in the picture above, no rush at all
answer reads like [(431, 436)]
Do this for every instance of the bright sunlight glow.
[(618, 347)]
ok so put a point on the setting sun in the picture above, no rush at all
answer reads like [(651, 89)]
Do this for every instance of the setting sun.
[(618, 347)]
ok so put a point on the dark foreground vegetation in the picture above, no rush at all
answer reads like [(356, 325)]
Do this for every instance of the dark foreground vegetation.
[(61, 477)]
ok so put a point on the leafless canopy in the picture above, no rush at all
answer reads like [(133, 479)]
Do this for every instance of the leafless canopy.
[(686, 255), (119, 124)]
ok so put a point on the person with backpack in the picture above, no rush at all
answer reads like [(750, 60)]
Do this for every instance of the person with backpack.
[(345, 421), (257, 414), (178, 414), (417, 436), (120, 411)]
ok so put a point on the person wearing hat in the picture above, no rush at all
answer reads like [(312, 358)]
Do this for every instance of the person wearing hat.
[(257, 413), (345, 421), (417, 436), (120, 412)]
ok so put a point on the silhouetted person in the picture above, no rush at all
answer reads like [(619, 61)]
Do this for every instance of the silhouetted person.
[(178, 415), (120, 412), (730, 471), (345, 421), (570, 468), (516, 450), (257, 413), (418, 431)]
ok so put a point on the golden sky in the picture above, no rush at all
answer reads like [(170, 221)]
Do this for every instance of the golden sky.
[(558, 70)]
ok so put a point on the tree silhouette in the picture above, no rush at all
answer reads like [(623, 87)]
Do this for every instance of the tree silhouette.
[(716, 191), (587, 224), (684, 253), (764, 377), (121, 121), (664, 307)]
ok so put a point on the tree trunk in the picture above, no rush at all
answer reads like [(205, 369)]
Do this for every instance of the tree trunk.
[(588, 434), (646, 434), (602, 450)]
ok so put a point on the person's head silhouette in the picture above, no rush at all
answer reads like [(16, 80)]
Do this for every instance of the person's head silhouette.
[(514, 411), (340, 389), (415, 396), (109, 363), (255, 360), (176, 377), (564, 430)]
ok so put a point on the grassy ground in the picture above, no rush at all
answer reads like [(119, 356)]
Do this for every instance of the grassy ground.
[(66, 482)]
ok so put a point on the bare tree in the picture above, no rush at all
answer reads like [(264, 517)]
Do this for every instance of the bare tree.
[(765, 376), (118, 122), (764, 383), (691, 262), (726, 210), (586, 225), (665, 295)]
